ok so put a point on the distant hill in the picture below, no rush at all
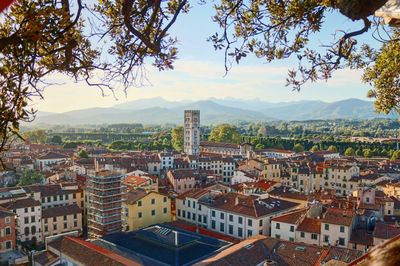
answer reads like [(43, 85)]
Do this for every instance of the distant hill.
[(213, 111)]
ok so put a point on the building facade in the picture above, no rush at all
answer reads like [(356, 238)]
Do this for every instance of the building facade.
[(105, 196), (192, 132)]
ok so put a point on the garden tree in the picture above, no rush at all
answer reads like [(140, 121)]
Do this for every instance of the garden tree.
[(359, 152), (41, 37), (349, 152), (56, 139), (83, 154), (36, 136), (30, 177), (225, 133), (177, 138), (367, 153), (259, 146), (262, 131), (332, 148), (314, 148), (395, 155), (298, 147)]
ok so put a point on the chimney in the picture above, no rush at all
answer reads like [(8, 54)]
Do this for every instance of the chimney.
[(236, 201)]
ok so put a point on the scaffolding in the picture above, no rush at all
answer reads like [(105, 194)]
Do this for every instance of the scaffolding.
[(105, 197)]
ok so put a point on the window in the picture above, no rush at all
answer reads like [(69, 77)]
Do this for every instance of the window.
[(153, 212), (212, 224), (222, 227), (302, 234), (139, 203), (33, 229), (184, 214), (291, 239), (8, 244), (66, 197), (55, 198), (277, 236), (212, 213), (65, 225), (65, 217), (204, 219), (278, 226), (54, 219), (260, 223), (341, 229), (194, 205), (230, 218), (165, 199), (75, 224), (326, 238), (26, 210), (179, 212), (240, 220), (46, 228), (8, 231), (153, 201), (54, 226), (249, 233), (74, 196), (8, 220), (230, 229), (26, 220), (165, 210), (249, 222), (139, 214), (327, 227), (75, 216), (314, 236), (199, 207), (341, 241), (291, 228), (48, 199), (188, 200), (32, 209), (240, 232), (221, 215)]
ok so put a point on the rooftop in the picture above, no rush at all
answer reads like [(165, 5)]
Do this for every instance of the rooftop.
[(173, 246)]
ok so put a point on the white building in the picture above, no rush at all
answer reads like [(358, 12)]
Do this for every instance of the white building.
[(285, 226), (232, 214), (166, 160), (29, 214), (192, 132), (336, 227), (242, 177)]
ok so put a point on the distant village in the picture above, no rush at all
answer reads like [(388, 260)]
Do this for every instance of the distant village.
[(213, 204)]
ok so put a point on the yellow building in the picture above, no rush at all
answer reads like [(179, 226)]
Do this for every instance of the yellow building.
[(142, 209)]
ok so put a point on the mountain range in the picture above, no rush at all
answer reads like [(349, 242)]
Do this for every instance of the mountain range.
[(213, 111)]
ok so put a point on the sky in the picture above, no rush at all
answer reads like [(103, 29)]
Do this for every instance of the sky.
[(199, 74)]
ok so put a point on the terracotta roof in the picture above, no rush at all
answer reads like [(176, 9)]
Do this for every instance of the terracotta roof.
[(293, 217), (52, 155), (310, 225), (362, 236), (338, 216), (386, 231), (135, 195), (250, 205), (61, 211), (21, 203), (259, 249), (342, 254), (87, 253), (195, 193)]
